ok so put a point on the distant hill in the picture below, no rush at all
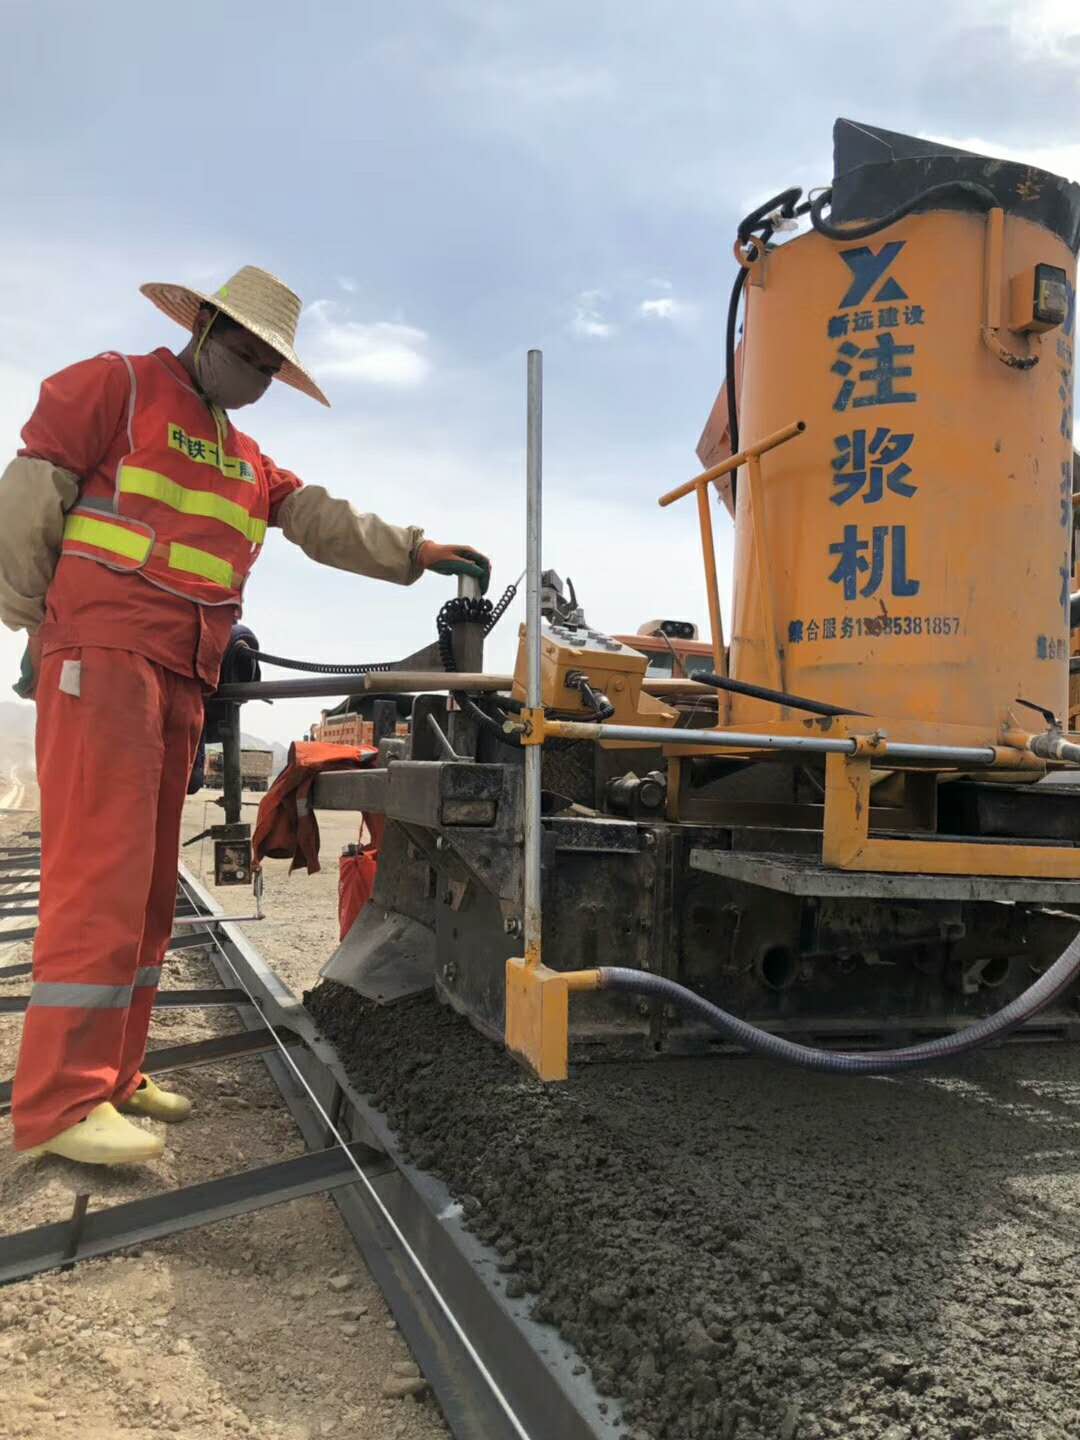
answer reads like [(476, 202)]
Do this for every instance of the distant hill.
[(17, 738)]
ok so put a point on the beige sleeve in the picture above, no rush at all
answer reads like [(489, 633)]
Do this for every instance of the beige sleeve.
[(334, 533), (34, 495)]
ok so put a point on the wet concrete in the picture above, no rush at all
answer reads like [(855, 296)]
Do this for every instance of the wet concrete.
[(751, 1253)]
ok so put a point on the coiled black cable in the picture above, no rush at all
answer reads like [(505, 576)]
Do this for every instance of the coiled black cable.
[(319, 667), (462, 609), (480, 611)]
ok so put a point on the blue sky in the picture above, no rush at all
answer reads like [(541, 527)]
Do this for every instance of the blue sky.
[(447, 184)]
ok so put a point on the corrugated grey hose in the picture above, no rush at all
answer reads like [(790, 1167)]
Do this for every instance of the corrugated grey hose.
[(1046, 988)]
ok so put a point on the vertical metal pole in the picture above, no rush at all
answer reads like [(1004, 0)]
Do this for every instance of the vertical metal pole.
[(533, 567), (384, 719), (231, 767), (468, 642)]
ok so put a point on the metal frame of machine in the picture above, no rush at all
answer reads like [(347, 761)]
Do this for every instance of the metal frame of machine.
[(595, 813), (469, 854)]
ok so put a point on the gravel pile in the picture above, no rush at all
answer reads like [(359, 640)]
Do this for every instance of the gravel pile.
[(752, 1253)]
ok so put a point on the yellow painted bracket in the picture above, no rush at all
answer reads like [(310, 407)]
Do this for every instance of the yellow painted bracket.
[(533, 730), (751, 457), (846, 842), (993, 280), (538, 1015)]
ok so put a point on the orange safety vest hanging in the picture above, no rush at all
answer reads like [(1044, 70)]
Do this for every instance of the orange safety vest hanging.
[(185, 513)]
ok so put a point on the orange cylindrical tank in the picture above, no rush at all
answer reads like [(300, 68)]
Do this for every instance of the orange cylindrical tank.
[(915, 540)]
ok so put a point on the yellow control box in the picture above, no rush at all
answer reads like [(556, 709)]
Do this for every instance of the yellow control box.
[(610, 670)]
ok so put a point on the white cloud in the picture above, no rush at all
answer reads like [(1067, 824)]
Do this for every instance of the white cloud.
[(382, 352), (1045, 27), (662, 309), (589, 319), (1058, 159), (667, 307), (348, 284)]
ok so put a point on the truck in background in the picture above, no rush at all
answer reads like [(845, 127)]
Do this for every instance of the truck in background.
[(256, 767), (672, 648), (353, 722)]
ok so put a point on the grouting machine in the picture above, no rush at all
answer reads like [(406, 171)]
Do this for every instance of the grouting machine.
[(858, 829)]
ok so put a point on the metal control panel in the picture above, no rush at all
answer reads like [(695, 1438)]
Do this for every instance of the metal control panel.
[(587, 675)]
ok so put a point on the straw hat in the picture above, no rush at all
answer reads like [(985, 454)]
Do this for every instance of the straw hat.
[(255, 299)]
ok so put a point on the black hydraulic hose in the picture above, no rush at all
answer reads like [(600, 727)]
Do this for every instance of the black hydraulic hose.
[(1052, 983), (729, 360), (754, 229), (320, 667), (760, 219), (777, 697), (985, 197), (486, 721), (483, 612)]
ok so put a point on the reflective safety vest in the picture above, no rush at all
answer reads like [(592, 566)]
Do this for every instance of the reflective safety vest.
[(191, 503)]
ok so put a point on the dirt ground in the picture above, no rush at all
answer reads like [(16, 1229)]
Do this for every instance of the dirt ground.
[(267, 1325)]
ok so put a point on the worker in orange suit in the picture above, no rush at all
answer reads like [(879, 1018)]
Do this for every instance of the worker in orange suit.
[(128, 525)]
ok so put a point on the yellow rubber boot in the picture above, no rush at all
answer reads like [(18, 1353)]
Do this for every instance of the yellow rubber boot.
[(157, 1104), (103, 1138)]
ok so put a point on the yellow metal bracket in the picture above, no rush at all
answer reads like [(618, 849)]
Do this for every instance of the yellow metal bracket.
[(846, 842), (993, 282), (533, 726), (876, 744), (699, 485), (538, 1014)]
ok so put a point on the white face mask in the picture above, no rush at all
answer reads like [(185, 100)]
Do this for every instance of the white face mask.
[(228, 381)]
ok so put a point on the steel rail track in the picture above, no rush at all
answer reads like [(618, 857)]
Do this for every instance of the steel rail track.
[(497, 1374)]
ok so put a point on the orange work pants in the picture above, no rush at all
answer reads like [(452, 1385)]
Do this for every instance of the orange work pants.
[(116, 736)]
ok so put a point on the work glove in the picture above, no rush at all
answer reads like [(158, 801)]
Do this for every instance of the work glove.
[(455, 560), (24, 686)]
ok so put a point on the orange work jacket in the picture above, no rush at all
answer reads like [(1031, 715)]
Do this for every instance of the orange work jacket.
[(186, 514), (173, 517)]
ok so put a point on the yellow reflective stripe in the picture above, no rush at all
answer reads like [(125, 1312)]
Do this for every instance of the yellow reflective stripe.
[(107, 536), (206, 452), (134, 481), (200, 562)]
